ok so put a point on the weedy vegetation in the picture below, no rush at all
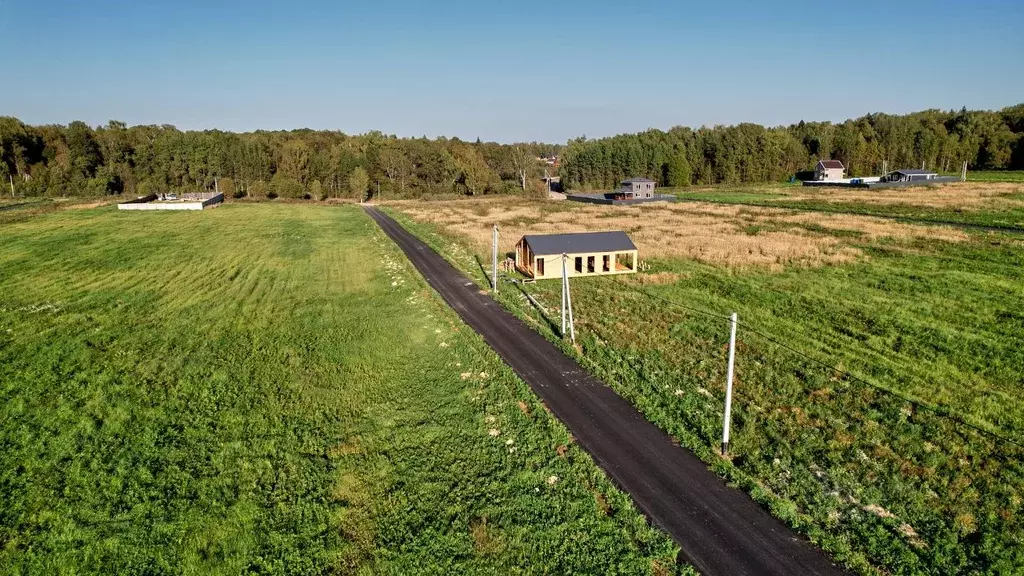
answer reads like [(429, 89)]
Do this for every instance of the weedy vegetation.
[(272, 389), (878, 363)]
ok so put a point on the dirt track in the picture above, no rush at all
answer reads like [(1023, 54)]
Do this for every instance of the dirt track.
[(721, 530)]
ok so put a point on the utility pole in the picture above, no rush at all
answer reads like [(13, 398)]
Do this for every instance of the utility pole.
[(728, 385), (567, 299), (494, 259), (216, 186), (564, 283), (11, 180), (378, 190)]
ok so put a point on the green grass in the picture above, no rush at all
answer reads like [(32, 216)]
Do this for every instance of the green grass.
[(779, 196), (730, 196), (1007, 218), (21, 209), (996, 176), (901, 482), (272, 389)]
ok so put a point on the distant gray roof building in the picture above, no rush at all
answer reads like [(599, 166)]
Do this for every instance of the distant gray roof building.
[(910, 175), (637, 181), (912, 172)]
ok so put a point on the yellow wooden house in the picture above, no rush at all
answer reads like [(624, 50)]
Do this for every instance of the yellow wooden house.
[(539, 256)]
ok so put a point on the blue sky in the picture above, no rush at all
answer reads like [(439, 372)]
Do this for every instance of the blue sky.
[(505, 71)]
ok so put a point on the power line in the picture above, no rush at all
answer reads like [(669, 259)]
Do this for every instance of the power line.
[(690, 308)]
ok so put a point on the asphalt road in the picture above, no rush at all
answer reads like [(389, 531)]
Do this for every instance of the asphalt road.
[(720, 530)]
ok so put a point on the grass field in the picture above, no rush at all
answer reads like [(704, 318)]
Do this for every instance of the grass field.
[(998, 204), (883, 452), (996, 176), (20, 209), (271, 389)]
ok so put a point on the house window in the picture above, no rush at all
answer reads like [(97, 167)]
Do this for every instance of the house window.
[(623, 262), (590, 265), (606, 263), (540, 267), (579, 264)]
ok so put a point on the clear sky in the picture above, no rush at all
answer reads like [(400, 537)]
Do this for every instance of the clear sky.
[(505, 71)]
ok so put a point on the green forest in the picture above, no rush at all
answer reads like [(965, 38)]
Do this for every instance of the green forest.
[(745, 153), (80, 160)]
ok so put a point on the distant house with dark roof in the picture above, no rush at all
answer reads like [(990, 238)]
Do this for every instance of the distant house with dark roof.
[(539, 256), (829, 170), (906, 175)]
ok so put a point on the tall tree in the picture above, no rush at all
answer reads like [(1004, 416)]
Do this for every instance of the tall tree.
[(396, 164), (677, 170), (358, 183), (522, 163)]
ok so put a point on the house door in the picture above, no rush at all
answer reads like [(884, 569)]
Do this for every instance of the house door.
[(539, 269)]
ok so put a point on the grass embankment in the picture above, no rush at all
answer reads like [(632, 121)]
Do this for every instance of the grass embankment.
[(996, 176), (996, 204), (272, 389), (21, 209), (883, 483)]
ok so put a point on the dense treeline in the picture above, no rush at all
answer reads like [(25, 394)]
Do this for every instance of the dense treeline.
[(113, 159), (935, 139), (77, 159)]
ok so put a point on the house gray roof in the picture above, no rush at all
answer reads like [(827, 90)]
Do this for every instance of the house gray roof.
[(637, 181), (831, 163), (575, 243), (909, 172)]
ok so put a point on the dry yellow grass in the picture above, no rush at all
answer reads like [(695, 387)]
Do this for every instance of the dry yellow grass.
[(733, 236)]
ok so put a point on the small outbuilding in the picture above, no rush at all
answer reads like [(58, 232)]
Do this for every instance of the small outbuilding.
[(909, 175), (827, 170), (539, 256)]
